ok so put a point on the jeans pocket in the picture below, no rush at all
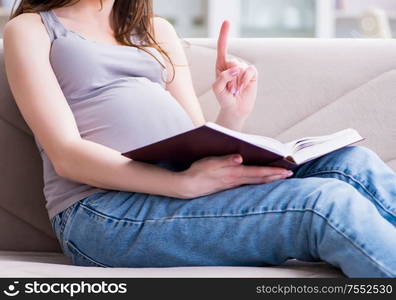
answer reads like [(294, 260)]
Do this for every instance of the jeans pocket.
[(58, 223), (92, 198), (81, 259)]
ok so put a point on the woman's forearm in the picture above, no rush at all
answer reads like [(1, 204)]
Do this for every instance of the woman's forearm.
[(228, 120), (100, 166)]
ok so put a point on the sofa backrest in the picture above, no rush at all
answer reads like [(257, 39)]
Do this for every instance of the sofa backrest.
[(24, 223), (312, 87), (306, 87)]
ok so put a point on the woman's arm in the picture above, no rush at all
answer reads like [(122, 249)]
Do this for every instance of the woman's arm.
[(46, 111), (181, 87), (235, 86)]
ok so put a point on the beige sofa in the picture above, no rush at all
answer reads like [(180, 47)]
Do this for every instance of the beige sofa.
[(307, 87)]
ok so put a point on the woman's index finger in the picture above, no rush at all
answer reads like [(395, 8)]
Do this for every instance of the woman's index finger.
[(222, 43)]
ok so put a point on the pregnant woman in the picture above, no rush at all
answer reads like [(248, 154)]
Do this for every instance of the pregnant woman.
[(96, 78)]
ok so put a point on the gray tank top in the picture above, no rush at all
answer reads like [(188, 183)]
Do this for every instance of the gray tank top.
[(118, 98)]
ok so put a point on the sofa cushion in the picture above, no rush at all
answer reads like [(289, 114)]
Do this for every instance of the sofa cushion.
[(41, 264)]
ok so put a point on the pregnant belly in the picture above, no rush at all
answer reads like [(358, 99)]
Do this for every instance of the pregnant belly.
[(130, 114)]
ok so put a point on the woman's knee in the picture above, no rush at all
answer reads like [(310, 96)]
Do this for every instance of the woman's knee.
[(351, 159), (333, 197), (305, 194), (358, 155)]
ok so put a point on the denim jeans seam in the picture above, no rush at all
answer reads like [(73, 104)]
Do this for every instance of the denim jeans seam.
[(318, 213), (52, 221), (341, 171), (62, 225), (382, 268), (126, 220), (379, 201), (357, 246), (78, 252), (65, 219)]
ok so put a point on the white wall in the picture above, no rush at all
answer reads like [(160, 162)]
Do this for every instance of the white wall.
[(358, 6), (7, 4), (220, 10), (184, 12)]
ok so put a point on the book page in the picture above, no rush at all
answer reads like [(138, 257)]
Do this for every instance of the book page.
[(258, 140), (301, 143), (309, 148), (266, 142)]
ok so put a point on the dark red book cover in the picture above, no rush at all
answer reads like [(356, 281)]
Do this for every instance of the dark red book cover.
[(202, 142)]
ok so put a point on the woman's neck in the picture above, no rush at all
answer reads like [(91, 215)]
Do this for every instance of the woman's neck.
[(89, 10)]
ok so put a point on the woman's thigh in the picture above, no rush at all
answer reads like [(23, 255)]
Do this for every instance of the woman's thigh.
[(309, 219)]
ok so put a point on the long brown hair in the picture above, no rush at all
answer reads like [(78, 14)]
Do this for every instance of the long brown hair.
[(128, 16)]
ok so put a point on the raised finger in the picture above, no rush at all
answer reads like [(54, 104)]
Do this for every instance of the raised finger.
[(222, 44)]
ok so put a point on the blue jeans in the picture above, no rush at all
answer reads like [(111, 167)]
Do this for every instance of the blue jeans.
[(339, 208)]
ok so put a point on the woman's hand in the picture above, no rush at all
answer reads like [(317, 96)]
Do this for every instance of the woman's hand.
[(235, 86), (217, 173)]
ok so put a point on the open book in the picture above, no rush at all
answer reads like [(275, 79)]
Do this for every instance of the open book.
[(214, 140)]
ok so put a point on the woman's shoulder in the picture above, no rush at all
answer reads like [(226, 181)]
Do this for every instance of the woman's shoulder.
[(163, 25), (164, 30), (25, 24), (24, 19)]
